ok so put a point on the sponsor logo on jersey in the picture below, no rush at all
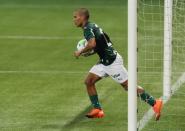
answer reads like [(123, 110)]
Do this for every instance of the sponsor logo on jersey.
[(115, 76)]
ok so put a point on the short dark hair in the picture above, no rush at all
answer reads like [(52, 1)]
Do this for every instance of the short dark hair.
[(84, 11)]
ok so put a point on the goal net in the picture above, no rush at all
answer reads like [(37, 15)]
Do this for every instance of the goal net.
[(151, 60)]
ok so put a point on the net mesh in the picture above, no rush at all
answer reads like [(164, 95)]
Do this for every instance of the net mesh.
[(150, 63)]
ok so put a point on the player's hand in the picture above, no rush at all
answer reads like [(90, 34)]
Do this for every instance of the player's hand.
[(77, 54)]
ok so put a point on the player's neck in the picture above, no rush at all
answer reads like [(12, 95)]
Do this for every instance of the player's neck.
[(84, 24)]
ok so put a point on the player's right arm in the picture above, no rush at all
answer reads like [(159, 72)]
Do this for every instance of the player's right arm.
[(90, 45), (90, 37)]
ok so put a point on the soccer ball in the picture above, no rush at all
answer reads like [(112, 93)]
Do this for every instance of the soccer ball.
[(81, 45)]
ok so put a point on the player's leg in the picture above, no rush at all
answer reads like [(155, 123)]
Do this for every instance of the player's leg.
[(155, 103), (142, 93), (90, 81), (95, 74)]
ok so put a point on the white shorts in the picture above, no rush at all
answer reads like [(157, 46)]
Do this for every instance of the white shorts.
[(116, 70)]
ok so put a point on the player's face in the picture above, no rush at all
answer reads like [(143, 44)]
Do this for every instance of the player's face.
[(78, 19)]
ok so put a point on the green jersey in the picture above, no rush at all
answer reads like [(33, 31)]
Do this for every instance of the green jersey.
[(104, 46)]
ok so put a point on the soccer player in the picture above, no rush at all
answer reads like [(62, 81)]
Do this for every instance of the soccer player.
[(110, 64)]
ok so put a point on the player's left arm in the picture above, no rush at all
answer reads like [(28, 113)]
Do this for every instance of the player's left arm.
[(90, 45)]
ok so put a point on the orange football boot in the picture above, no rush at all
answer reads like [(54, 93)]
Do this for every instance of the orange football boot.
[(95, 113), (157, 108)]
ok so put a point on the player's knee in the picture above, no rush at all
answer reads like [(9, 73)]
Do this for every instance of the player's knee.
[(89, 82), (140, 90)]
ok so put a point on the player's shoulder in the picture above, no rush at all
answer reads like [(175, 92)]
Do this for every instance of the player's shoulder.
[(89, 25)]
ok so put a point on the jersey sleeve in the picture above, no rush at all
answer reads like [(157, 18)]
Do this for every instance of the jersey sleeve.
[(88, 33)]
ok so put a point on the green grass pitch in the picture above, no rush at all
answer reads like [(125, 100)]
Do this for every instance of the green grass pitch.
[(42, 83)]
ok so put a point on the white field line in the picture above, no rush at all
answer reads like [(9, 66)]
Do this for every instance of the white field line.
[(22, 37), (36, 37), (42, 72), (37, 6), (149, 114)]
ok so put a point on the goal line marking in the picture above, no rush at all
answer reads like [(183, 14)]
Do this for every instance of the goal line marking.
[(27, 37), (149, 114)]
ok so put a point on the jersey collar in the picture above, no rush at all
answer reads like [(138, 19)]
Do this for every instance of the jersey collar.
[(85, 26)]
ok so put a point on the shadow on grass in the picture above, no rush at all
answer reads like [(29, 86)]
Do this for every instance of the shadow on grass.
[(70, 124), (79, 118)]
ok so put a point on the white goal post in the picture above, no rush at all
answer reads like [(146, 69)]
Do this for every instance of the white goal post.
[(132, 65), (167, 59)]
